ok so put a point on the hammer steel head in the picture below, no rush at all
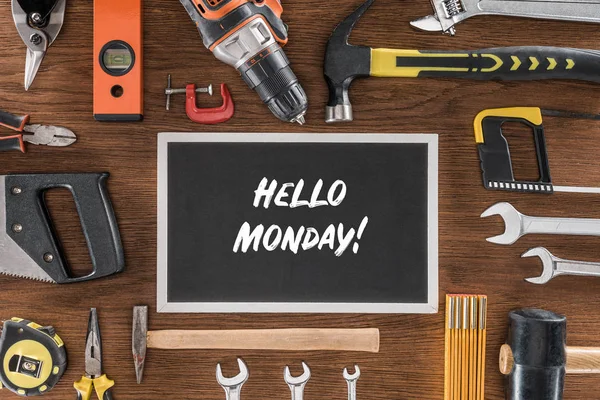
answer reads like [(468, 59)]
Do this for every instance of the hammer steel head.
[(343, 64), (548, 264), (236, 381), (139, 337), (298, 380), (512, 222), (537, 339)]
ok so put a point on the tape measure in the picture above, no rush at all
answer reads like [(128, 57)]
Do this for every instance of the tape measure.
[(33, 357)]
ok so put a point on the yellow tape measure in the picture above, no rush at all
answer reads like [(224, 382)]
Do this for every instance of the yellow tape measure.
[(32, 357)]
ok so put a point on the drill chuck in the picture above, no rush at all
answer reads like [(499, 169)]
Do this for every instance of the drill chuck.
[(276, 84)]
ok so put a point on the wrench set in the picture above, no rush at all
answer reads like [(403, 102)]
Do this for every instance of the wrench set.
[(518, 225), (233, 386)]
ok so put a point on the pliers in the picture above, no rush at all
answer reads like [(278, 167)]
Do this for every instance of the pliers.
[(93, 377), (46, 135), (38, 23)]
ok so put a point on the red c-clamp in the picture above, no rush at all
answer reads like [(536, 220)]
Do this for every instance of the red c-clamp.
[(208, 115)]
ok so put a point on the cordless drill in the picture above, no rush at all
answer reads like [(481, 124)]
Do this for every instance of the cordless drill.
[(248, 35)]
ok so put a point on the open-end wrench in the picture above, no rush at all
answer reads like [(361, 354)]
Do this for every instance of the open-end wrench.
[(233, 386), (297, 384), (517, 224), (351, 380), (554, 266)]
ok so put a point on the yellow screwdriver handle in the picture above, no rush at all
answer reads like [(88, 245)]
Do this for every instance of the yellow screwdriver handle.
[(84, 388)]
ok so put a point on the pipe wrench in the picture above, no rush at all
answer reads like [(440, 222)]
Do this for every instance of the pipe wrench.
[(38, 23), (447, 13)]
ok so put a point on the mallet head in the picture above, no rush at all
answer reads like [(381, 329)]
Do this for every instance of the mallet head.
[(139, 337), (536, 355), (343, 64)]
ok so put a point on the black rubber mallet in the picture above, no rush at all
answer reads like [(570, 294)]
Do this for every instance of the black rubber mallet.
[(535, 357)]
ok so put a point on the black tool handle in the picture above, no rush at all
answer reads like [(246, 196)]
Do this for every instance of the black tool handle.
[(502, 63), (9, 143), (12, 121), (26, 207)]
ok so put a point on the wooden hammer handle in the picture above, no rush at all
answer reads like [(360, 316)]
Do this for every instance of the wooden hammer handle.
[(583, 360), (366, 339), (580, 360)]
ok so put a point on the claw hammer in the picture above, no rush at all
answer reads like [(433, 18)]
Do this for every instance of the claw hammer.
[(345, 62), (295, 339)]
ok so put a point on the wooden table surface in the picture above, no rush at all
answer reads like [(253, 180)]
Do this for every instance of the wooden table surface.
[(411, 362)]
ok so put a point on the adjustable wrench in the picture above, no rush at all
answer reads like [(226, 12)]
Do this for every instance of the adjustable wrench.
[(554, 266), (233, 386), (351, 380), (297, 384), (517, 224)]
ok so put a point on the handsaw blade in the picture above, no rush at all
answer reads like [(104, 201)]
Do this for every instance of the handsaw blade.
[(14, 261)]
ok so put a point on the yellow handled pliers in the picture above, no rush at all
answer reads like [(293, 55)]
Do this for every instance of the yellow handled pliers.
[(93, 377)]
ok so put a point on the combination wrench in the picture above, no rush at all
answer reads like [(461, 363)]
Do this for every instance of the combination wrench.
[(351, 381), (297, 384), (554, 266), (233, 386), (517, 224)]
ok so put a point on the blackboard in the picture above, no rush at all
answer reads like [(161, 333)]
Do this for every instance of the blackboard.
[(297, 223)]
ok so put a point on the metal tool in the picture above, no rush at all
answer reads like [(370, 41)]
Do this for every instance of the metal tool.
[(207, 116), (297, 383), (169, 91), (248, 35), (494, 151), (29, 247), (351, 381), (448, 13), (233, 386), (554, 266), (345, 62), (45, 135), (93, 378), (38, 24), (535, 357), (32, 357), (517, 225), (291, 339)]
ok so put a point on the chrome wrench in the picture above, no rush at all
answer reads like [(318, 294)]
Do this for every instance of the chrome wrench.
[(554, 266), (351, 381), (448, 13), (518, 225), (297, 384), (233, 386)]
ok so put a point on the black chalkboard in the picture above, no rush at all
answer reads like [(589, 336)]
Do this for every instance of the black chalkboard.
[(297, 223)]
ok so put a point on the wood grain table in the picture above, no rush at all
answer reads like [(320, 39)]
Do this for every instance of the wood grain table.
[(411, 362)]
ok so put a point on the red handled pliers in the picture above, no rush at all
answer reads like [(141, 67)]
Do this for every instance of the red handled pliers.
[(45, 135)]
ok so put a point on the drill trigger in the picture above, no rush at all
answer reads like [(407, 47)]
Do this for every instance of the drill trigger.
[(208, 116)]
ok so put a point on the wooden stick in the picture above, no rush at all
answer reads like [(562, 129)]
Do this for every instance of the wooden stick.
[(483, 325), (447, 349), (298, 339)]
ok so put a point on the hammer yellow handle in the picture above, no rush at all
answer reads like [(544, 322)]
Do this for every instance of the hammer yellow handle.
[(298, 339)]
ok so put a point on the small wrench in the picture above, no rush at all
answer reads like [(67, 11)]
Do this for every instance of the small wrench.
[(554, 266), (517, 224), (233, 386), (351, 380), (297, 384)]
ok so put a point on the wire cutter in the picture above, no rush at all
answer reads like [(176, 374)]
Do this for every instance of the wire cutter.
[(93, 365), (45, 135), (38, 23)]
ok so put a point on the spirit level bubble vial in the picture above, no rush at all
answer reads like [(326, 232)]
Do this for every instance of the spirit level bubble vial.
[(118, 80)]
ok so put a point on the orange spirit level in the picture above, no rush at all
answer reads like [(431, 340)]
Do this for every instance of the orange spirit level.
[(118, 82)]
